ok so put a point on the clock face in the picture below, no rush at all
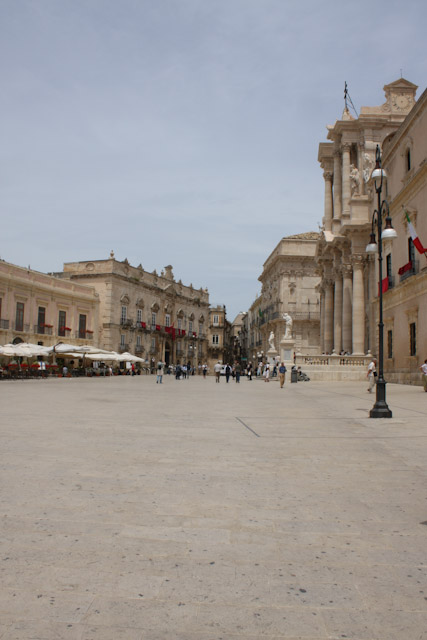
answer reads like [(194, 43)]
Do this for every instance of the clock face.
[(402, 102)]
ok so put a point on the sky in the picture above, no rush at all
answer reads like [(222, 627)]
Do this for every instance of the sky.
[(182, 132)]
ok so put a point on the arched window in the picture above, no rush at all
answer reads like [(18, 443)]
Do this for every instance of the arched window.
[(408, 159)]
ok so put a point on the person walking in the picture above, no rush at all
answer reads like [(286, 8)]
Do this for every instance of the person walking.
[(282, 374), (267, 373), (238, 370), (249, 371), (204, 370), (217, 370), (227, 372), (423, 369), (160, 372), (371, 374)]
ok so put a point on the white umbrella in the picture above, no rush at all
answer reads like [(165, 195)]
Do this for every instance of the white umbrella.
[(24, 350), (129, 357), (63, 348)]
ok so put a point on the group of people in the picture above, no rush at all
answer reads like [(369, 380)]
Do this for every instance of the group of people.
[(372, 374)]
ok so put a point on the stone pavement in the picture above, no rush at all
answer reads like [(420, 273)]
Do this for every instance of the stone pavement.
[(197, 511)]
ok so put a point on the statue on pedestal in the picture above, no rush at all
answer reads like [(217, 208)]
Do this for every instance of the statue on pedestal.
[(288, 326), (271, 341)]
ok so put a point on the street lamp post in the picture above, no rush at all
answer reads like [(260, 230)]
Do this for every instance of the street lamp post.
[(380, 408)]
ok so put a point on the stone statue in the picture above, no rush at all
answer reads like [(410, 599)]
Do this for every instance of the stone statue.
[(288, 322), (271, 342), (354, 179), (368, 164)]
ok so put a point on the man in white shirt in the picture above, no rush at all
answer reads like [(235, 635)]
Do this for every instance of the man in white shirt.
[(372, 374), (423, 369), (217, 369)]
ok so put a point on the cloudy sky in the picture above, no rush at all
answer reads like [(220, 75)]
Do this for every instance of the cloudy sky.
[(182, 132)]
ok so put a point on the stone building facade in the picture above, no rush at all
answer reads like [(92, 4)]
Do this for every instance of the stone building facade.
[(40, 308), (347, 161), (148, 314), (289, 285), (218, 336), (404, 285)]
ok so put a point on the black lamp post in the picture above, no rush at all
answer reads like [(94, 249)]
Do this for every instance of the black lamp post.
[(380, 408)]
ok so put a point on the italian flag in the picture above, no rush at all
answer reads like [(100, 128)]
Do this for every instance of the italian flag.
[(414, 235)]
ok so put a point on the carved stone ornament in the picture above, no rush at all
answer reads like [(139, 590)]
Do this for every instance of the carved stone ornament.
[(155, 307), (125, 299), (368, 165), (354, 179), (140, 303)]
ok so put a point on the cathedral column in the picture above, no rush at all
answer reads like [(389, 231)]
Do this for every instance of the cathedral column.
[(329, 316), (346, 191), (358, 305), (338, 290), (327, 220), (347, 308), (337, 191), (322, 321)]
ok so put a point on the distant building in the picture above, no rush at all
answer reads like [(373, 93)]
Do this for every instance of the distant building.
[(148, 314), (218, 337), (289, 285), (40, 308)]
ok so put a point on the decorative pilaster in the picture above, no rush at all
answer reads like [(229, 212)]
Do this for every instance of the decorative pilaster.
[(346, 191), (358, 305), (347, 308), (322, 321), (327, 220)]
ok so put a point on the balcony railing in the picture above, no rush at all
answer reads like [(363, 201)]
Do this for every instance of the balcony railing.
[(408, 270), (139, 348), (126, 322), (4, 324), (19, 326), (42, 329), (123, 347), (83, 335)]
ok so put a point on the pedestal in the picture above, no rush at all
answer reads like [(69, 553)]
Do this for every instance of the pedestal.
[(272, 358), (287, 348)]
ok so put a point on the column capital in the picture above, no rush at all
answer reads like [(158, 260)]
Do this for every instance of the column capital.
[(347, 270), (328, 175), (358, 260), (346, 146)]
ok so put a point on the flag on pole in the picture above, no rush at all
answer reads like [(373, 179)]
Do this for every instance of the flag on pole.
[(414, 235)]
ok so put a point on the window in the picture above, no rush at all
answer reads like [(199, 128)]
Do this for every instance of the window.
[(167, 320), (19, 324), (153, 318), (408, 160), (413, 339), (41, 319), (138, 341), (389, 344), (62, 319), (190, 326), (200, 328), (82, 325), (411, 251), (139, 315), (122, 339), (216, 320), (153, 343), (179, 323), (215, 339), (124, 315)]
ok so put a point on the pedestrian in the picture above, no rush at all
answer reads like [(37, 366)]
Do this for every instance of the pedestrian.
[(160, 372), (249, 371), (178, 372), (267, 373), (282, 374), (371, 374), (217, 370), (227, 372), (64, 371), (204, 370), (424, 372), (238, 370)]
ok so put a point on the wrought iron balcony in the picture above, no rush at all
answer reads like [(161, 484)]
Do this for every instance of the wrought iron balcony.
[(122, 348), (4, 324), (19, 326)]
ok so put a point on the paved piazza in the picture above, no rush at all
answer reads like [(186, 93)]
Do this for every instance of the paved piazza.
[(197, 511)]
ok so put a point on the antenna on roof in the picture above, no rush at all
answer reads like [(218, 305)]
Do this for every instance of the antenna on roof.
[(348, 100)]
